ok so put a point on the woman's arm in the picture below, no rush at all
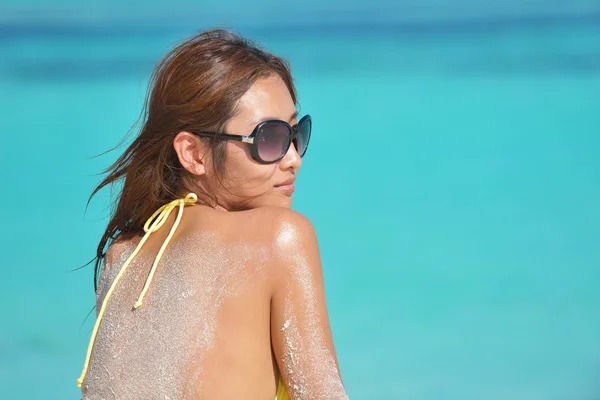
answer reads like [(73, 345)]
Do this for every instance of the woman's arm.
[(300, 328)]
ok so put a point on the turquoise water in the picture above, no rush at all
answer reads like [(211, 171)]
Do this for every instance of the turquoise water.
[(453, 178)]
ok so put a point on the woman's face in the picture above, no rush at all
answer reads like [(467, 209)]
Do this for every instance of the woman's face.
[(247, 183)]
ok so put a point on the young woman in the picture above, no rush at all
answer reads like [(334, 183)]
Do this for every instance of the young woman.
[(211, 287)]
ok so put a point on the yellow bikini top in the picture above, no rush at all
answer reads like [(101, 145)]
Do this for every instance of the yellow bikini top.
[(154, 223)]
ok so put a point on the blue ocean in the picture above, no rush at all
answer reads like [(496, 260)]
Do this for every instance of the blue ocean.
[(453, 179)]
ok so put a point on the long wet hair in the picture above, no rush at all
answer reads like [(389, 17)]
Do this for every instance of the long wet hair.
[(196, 86)]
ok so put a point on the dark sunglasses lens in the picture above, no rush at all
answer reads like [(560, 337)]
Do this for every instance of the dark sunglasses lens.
[(273, 141), (303, 136)]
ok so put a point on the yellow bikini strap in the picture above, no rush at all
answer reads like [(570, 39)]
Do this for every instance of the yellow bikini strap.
[(154, 223)]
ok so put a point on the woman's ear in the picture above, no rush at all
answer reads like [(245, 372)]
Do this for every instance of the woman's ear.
[(191, 152)]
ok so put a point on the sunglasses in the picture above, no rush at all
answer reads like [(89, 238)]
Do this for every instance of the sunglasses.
[(271, 140)]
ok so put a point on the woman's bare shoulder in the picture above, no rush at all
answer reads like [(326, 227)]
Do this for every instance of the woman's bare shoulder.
[(270, 225), (279, 240), (279, 227), (119, 248), (291, 240)]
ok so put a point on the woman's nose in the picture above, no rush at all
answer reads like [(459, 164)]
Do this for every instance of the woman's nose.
[(292, 159)]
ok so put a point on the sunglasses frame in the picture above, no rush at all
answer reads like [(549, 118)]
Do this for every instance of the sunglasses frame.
[(254, 145)]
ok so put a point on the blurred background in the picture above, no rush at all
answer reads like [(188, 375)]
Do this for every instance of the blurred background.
[(453, 179)]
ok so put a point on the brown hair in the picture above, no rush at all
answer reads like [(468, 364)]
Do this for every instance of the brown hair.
[(196, 86)]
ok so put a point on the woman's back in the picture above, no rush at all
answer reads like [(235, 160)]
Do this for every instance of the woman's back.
[(204, 324)]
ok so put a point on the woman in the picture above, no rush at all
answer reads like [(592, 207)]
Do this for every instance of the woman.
[(218, 294)]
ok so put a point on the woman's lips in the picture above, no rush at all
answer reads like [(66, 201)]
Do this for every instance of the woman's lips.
[(287, 189)]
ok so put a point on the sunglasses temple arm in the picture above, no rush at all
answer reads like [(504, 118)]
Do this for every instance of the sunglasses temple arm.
[(239, 138)]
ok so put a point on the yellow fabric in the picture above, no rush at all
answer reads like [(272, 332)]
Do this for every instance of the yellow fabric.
[(282, 393), (154, 223)]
